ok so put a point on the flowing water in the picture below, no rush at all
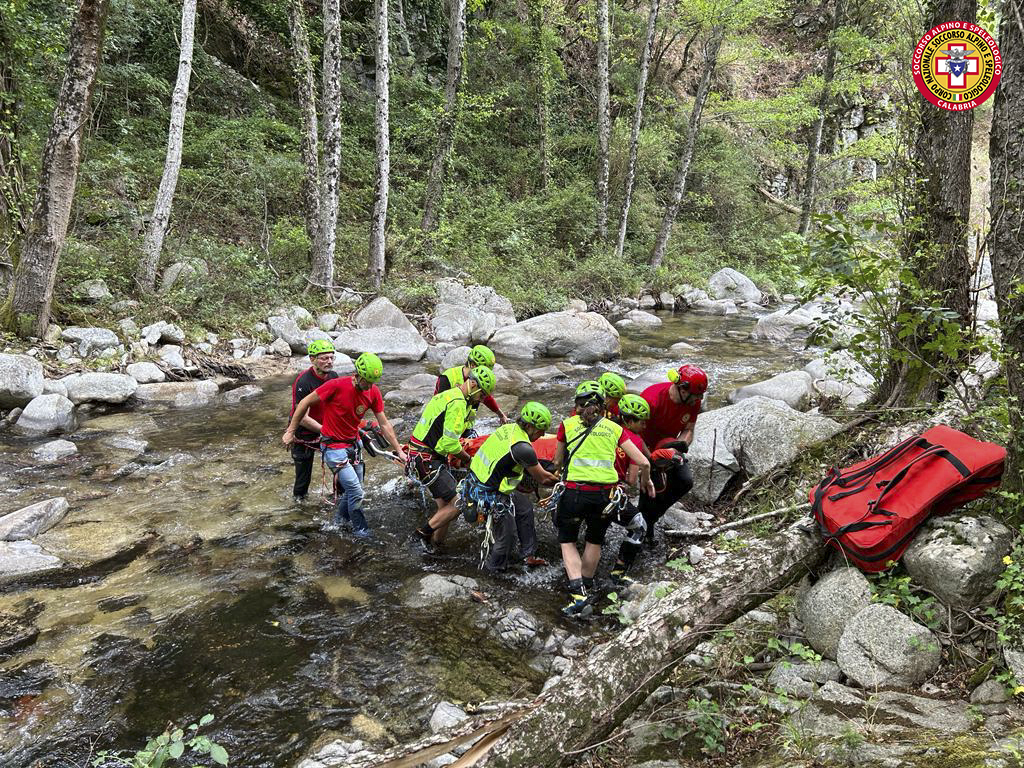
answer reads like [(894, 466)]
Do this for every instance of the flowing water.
[(239, 605)]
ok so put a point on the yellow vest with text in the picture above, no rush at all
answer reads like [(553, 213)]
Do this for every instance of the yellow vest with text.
[(450, 406), (495, 448), (594, 460)]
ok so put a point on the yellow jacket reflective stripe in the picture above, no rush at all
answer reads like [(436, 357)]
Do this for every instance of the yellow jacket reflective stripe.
[(443, 422), (593, 461), (494, 449), (456, 379)]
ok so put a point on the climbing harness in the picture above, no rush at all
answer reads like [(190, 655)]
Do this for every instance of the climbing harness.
[(618, 502), (480, 504), (551, 500)]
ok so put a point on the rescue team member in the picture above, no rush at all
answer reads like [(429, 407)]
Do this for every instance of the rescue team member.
[(307, 435), (436, 439), (633, 414), (674, 407), (453, 377), (346, 401), (585, 451), (614, 387), (497, 469)]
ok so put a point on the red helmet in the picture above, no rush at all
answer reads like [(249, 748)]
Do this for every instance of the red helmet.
[(692, 378)]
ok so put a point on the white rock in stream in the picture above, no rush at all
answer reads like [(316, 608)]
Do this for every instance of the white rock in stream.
[(21, 379), (22, 558), (54, 450), (146, 372), (181, 394), (793, 388), (583, 337), (100, 387), (436, 587), (446, 715), (46, 415), (28, 522)]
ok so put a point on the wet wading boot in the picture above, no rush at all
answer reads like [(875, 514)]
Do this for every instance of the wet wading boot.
[(579, 603), (620, 580)]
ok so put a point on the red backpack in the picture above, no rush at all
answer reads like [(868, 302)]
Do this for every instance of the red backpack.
[(872, 510)]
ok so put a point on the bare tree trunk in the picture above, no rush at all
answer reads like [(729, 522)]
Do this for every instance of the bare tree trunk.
[(378, 226), (604, 126), (711, 49), (32, 289), (638, 120), (302, 64), (446, 128), (1006, 238), (153, 243), (322, 272), (606, 685), (814, 146), (544, 91)]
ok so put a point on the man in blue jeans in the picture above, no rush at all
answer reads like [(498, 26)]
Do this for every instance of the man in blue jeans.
[(346, 402)]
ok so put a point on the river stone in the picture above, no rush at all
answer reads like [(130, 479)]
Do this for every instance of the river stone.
[(782, 325), (455, 323), (128, 327), (575, 305), (715, 306), (126, 444), (688, 295), (387, 344), (146, 372), (583, 337), (163, 333), (682, 348), (171, 355), (446, 715), (435, 588), (181, 394), (244, 392), (88, 540), (54, 387), (667, 300), (46, 415), (518, 629), (100, 387), (647, 302), (281, 348), (727, 283), (29, 522), (286, 329), (92, 291), (792, 388), (381, 313), (90, 340), (959, 558), (23, 558), (21, 379), (328, 321), (54, 450), (547, 373), (802, 679), (990, 692), (456, 356), (482, 297), (763, 433), (639, 318), (827, 606), (882, 647)]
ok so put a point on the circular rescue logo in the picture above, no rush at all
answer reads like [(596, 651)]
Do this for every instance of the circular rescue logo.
[(957, 65)]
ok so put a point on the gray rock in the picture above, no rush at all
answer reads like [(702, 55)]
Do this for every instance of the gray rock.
[(990, 692), (328, 321), (446, 715), (126, 444), (576, 305), (648, 302), (171, 355), (93, 291), (281, 348), (782, 325), (827, 606), (802, 679), (715, 307), (163, 333), (436, 588), (146, 372), (88, 341), (882, 647), (244, 392), (413, 390), (583, 337), (125, 305), (54, 387), (637, 317), (287, 330), (23, 558), (688, 295), (792, 388), (547, 373), (392, 344), (667, 300), (29, 522), (681, 348), (128, 327), (54, 450), (381, 313), (455, 323), (959, 558), (695, 554), (518, 629), (46, 415), (727, 283), (181, 394), (300, 315), (482, 297), (183, 271), (764, 433), (454, 357), (99, 387), (750, 306)]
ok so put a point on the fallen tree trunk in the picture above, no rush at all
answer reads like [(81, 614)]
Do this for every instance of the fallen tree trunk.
[(611, 681)]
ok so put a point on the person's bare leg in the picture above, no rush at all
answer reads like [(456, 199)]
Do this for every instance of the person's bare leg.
[(446, 512), (591, 558), (571, 561)]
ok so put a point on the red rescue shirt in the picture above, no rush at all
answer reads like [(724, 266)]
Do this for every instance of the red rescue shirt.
[(668, 419), (622, 461), (345, 406)]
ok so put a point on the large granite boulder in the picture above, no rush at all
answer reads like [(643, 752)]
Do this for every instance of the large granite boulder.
[(637, 318), (99, 387), (162, 332), (688, 295), (46, 415), (825, 607), (21, 379), (381, 313), (727, 283), (715, 306), (93, 291), (414, 390), (783, 324), (28, 522), (482, 297), (146, 372), (180, 394), (191, 271), (286, 329), (792, 388), (841, 376), (583, 337), (959, 558), (90, 341), (454, 357), (763, 433), (454, 323), (388, 344), (881, 647)]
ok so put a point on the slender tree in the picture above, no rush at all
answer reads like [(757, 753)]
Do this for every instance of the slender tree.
[(824, 104), (322, 272), (28, 313), (638, 119), (604, 126), (1006, 238), (153, 243), (711, 48), (380, 199), (302, 65), (449, 118)]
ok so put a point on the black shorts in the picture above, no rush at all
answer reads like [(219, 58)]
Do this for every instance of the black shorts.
[(578, 507), (436, 476)]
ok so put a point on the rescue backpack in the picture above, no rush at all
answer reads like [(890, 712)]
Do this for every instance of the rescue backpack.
[(872, 510)]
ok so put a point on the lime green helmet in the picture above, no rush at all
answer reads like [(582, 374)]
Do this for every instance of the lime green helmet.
[(484, 376), (536, 415), (369, 367), (613, 385), (635, 407), (319, 346), (588, 389), (480, 355)]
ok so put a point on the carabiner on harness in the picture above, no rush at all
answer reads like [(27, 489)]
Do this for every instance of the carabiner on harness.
[(618, 502), (552, 499)]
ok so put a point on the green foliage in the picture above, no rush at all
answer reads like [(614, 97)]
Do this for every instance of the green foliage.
[(169, 749), (896, 590), (614, 608), (710, 725)]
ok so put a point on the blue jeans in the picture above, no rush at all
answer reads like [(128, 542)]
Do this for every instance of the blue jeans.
[(348, 481)]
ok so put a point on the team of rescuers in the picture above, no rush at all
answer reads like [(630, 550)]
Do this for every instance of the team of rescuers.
[(610, 442)]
